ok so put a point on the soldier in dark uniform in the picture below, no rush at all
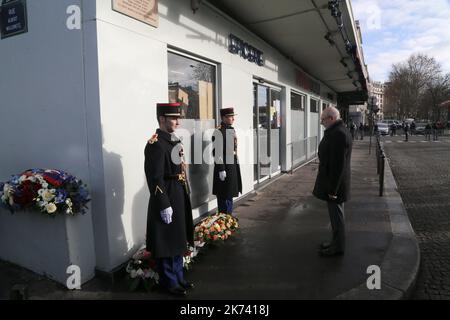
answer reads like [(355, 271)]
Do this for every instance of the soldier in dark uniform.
[(227, 173), (169, 216)]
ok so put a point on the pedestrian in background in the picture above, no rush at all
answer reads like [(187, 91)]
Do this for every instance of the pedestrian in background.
[(435, 131), (393, 129), (428, 132), (352, 127), (333, 178), (413, 128), (361, 131), (406, 130)]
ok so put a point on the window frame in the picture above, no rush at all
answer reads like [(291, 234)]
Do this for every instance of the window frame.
[(216, 65)]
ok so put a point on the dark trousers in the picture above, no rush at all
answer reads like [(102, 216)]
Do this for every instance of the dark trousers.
[(337, 219), (170, 271), (225, 205), (435, 135)]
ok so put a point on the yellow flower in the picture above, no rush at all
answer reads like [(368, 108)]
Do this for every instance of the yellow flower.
[(51, 207), (47, 195)]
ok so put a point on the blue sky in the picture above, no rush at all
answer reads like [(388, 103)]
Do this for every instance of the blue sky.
[(392, 30)]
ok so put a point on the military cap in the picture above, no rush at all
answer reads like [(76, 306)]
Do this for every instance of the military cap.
[(227, 112), (168, 109)]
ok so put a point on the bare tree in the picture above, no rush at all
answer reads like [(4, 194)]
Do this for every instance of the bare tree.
[(413, 85), (438, 90)]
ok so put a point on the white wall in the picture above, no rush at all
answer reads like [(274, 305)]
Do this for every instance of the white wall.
[(43, 125)]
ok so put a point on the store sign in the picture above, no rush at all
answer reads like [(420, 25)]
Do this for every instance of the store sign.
[(246, 51), (143, 10), (305, 82), (13, 18)]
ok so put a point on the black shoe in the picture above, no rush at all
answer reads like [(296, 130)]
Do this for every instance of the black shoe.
[(329, 252), (325, 245), (187, 285), (177, 291)]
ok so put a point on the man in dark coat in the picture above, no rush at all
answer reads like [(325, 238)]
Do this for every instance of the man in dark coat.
[(406, 130), (333, 179), (169, 216), (227, 181)]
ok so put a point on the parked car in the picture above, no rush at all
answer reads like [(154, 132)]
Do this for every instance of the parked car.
[(420, 128), (383, 128)]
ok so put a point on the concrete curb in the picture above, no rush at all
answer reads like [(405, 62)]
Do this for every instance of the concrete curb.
[(401, 262)]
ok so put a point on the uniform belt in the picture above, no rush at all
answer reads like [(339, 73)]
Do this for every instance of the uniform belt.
[(179, 177)]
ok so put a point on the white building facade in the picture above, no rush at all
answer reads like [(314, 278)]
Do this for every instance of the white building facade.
[(83, 100)]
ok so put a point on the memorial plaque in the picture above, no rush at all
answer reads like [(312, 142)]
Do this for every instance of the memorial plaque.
[(143, 10), (13, 18)]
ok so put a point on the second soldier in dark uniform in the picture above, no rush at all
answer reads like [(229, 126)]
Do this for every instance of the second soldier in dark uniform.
[(227, 181), (169, 217)]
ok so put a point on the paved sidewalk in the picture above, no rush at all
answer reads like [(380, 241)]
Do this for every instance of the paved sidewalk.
[(275, 254)]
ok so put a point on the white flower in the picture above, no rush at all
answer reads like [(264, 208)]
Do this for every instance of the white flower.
[(139, 272), (47, 195), (42, 204), (45, 185), (133, 274), (22, 178), (51, 207), (69, 202)]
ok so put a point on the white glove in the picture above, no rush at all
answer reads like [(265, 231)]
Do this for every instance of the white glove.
[(222, 175), (166, 215)]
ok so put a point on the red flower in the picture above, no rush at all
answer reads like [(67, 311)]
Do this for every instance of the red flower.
[(27, 192), (53, 181)]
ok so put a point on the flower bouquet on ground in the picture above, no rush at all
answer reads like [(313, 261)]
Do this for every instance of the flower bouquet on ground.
[(46, 190), (215, 229), (142, 270)]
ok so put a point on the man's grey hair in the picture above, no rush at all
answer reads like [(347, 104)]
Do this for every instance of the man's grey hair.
[(331, 112)]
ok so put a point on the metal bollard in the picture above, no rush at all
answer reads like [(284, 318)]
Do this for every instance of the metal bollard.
[(382, 164), (378, 158)]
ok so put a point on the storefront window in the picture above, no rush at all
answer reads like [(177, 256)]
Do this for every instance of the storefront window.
[(192, 83), (297, 102), (313, 105)]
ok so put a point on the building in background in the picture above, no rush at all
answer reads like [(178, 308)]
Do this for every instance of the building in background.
[(377, 89)]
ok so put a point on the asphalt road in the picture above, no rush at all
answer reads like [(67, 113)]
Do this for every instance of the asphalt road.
[(422, 171)]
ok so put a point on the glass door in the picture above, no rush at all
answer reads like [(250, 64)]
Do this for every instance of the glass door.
[(266, 135), (275, 132)]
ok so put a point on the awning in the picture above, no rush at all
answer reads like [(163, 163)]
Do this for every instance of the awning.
[(307, 33)]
